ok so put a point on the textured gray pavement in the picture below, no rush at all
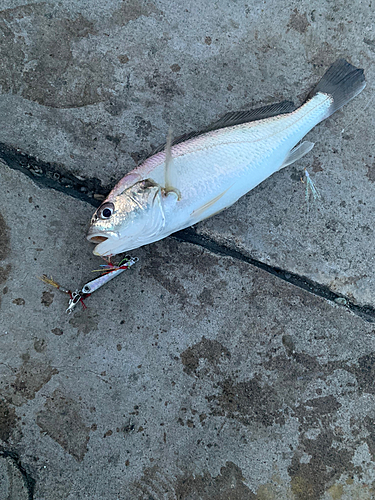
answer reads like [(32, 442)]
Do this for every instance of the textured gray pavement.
[(196, 374)]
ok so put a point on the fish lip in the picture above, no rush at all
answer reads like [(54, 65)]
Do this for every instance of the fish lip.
[(104, 242)]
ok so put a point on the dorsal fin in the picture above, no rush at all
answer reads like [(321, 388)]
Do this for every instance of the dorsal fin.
[(236, 118)]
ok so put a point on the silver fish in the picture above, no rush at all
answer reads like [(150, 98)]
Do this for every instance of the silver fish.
[(199, 175)]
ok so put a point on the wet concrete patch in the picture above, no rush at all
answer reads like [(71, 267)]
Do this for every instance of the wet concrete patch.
[(8, 420), (365, 373), (250, 402), (157, 267), (61, 420), (298, 22), (317, 411), (4, 239), (4, 273), (163, 86), (85, 321), (30, 378), (371, 172), (4, 251), (227, 485), (132, 10), (39, 60), (47, 298), (317, 463), (210, 350)]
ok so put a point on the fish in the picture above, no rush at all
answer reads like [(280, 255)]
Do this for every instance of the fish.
[(198, 175)]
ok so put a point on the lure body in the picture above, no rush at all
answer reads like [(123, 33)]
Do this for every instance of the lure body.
[(192, 180)]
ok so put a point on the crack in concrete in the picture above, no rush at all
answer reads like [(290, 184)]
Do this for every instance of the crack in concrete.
[(28, 480), (56, 176)]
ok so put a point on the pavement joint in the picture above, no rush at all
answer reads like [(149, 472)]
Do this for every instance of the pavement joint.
[(90, 190)]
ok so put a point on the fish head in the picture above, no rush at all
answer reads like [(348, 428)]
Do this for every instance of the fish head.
[(127, 220)]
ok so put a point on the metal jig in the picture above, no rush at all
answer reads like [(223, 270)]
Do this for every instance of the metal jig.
[(109, 271)]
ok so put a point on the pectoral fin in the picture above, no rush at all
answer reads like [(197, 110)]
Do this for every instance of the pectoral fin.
[(204, 208), (297, 153), (170, 188)]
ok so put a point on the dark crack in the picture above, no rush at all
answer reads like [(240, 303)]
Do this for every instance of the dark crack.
[(54, 176), (90, 190), (189, 235), (28, 480)]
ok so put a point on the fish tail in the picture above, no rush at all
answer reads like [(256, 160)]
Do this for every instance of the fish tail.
[(342, 82)]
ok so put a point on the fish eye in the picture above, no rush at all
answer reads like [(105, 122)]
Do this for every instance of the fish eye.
[(106, 210)]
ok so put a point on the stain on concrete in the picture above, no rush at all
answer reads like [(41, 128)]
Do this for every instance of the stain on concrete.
[(252, 401), (4, 273), (369, 424), (161, 269), (8, 420), (30, 378), (370, 43), (132, 10), (211, 350), (62, 421), (163, 86), (324, 56), (365, 373), (4, 240), (19, 301), (57, 331), (206, 297), (47, 298), (40, 345), (207, 262), (143, 127), (326, 462), (85, 321), (317, 411), (4, 251), (228, 485), (123, 58), (39, 60), (371, 172), (298, 22), (316, 165)]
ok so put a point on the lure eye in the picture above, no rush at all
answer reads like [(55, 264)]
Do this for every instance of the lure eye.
[(106, 210)]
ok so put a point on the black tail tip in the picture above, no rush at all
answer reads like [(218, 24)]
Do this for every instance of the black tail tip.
[(342, 81)]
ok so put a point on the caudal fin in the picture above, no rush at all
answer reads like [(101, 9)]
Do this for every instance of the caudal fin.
[(342, 82)]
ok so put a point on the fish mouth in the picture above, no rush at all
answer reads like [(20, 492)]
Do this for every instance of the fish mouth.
[(97, 239), (104, 244)]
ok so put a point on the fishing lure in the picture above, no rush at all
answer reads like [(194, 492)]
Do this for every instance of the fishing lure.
[(109, 271)]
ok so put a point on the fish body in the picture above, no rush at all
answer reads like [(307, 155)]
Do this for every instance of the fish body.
[(194, 179)]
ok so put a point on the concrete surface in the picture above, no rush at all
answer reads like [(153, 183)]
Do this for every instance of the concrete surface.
[(193, 375)]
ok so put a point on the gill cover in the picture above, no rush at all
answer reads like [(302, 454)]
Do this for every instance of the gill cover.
[(129, 219)]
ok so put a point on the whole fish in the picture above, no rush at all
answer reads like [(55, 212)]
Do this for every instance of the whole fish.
[(201, 174)]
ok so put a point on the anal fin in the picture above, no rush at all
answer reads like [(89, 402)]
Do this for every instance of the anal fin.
[(297, 152)]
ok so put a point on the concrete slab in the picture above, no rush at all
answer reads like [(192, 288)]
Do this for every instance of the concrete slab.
[(190, 376), (193, 375), (95, 87)]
